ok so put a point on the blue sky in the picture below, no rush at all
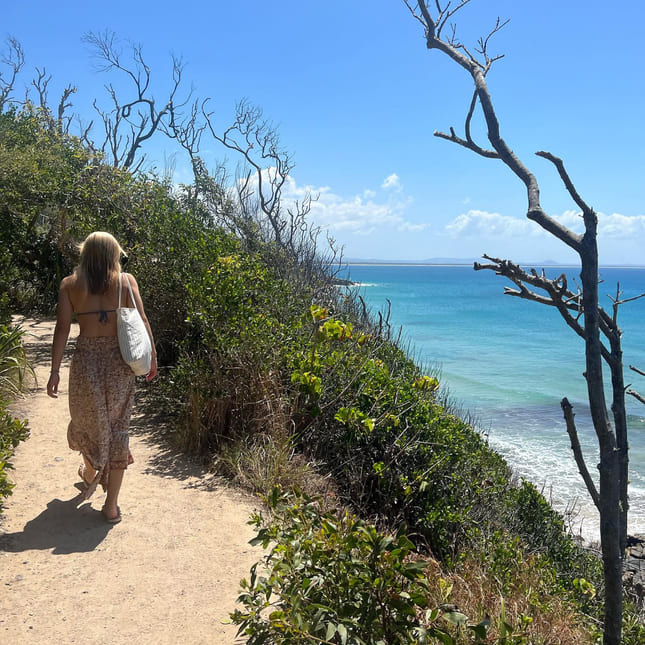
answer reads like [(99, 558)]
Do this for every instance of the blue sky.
[(356, 97)]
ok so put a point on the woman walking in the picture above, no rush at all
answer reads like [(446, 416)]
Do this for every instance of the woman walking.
[(101, 384)]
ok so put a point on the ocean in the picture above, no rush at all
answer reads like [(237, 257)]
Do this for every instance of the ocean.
[(509, 362)]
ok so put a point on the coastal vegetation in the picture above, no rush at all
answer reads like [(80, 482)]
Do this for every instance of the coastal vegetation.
[(13, 368), (389, 519)]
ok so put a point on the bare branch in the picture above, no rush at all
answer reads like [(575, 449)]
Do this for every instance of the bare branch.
[(467, 143), (558, 295), (638, 371), (567, 409), (482, 47), (14, 59), (41, 83), (637, 396), (638, 297), (256, 140), (63, 104), (478, 69), (141, 117), (566, 180)]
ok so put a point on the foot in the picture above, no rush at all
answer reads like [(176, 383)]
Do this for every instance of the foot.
[(111, 517)]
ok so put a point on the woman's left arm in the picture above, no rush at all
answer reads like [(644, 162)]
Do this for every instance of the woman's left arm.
[(139, 305)]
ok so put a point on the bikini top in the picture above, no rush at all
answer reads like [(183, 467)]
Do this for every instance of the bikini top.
[(104, 312), (101, 312)]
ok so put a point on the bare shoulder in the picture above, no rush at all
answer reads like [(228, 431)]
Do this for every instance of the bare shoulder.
[(131, 279), (69, 283)]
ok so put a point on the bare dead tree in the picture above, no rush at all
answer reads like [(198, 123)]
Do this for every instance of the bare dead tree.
[(269, 165), (13, 59), (188, 131), (256, 207), (129, 124), (60, 121), (580, 309)]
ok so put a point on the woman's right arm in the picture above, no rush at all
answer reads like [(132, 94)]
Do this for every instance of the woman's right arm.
[(64, 312)]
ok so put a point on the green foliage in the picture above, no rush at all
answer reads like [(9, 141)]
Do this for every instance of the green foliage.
[(167, 247), (13, 365), (368, 412), (42, 175), (12, 432), (239, 326), (542, 528), (13, 362), (332, 578)]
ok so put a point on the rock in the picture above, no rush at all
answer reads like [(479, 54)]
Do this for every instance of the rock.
[(634, 565)]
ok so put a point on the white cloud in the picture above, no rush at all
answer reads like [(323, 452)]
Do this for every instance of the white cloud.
[(392, 182), (476, 223), (621, 226), (362, 214)]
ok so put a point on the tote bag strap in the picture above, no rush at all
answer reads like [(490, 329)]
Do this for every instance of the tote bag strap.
[(129, 289)]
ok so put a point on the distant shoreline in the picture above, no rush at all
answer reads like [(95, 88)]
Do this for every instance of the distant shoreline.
[(393, 263)]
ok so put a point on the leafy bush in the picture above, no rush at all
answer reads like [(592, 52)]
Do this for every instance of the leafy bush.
[(230, 372), (330, 577), (334, 579), (13, 365), (13, 362), (12, 432)]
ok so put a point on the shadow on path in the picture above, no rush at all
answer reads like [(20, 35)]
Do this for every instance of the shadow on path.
[(61, 527), (156, 429)]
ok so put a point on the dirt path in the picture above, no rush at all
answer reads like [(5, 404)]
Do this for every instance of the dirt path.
[(168, 573)]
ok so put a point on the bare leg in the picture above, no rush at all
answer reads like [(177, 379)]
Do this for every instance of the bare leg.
[(110, 508), (89, 473)]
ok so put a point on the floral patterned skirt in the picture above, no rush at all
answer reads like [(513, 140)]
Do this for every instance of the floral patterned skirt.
[(101, 394)]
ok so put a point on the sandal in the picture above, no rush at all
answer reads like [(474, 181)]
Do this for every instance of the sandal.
[(112, 520)]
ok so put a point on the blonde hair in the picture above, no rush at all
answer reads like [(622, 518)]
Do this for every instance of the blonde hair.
[(100, 262)]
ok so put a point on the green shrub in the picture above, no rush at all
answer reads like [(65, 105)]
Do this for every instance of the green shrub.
[(13, 362), (13, 365), (335, 579), (12, 432)]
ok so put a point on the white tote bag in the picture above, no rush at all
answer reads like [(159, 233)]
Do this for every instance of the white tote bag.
[(134, 340)]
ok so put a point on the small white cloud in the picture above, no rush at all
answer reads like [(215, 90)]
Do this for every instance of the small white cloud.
[(361, 214), (392, 182), (475, 223), (621, 226), (412, 228)]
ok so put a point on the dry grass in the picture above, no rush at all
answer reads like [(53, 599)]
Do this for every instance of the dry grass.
[(260, 462), (479, 595)]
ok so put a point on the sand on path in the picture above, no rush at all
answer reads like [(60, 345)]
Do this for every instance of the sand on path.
[(169, 572)]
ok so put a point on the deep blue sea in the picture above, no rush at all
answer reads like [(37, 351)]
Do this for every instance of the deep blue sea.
[(509, 362)]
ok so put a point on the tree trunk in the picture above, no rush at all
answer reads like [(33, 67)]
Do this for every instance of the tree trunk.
[(610, 480)]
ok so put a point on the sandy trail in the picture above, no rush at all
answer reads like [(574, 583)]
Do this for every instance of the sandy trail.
[(169, 572)]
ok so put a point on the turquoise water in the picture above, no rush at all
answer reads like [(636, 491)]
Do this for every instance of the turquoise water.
[(509, 362)]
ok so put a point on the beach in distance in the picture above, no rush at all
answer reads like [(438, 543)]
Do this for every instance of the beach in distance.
[(509, 362)]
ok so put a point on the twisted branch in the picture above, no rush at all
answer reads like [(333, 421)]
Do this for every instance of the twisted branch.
[(567, 409)]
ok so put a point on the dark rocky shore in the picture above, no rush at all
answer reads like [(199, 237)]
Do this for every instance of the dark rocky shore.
[(634, 567)]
